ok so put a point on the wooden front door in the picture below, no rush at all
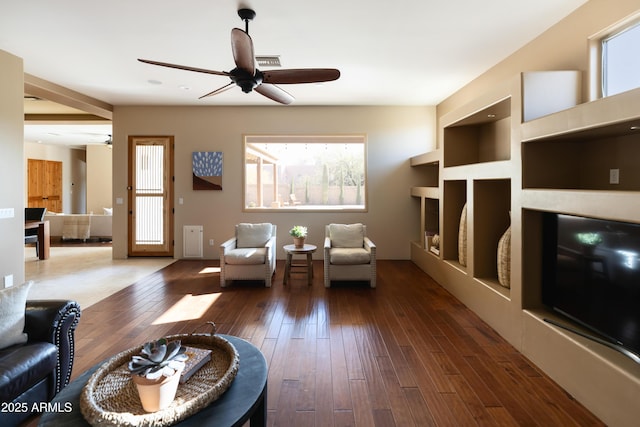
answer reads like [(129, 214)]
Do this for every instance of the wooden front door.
[(44, 187), (150, 196)]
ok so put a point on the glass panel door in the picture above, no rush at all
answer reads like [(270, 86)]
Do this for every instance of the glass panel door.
[(150, 230)]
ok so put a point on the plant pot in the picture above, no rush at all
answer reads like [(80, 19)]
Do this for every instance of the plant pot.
[(298, 242), (156, 394)]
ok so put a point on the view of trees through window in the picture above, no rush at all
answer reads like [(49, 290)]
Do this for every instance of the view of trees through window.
[(621, 61), (305, 172)]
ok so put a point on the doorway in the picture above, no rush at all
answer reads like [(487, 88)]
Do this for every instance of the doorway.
[(150, 231)]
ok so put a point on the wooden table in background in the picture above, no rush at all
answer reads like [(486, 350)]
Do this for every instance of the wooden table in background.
[(43, 236)]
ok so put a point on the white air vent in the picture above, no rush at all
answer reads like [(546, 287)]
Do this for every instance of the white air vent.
[(192, 241), (268, 61)]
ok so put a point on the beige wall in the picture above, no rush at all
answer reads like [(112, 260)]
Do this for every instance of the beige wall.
[(394, 134), (11, 167), (99, 178)]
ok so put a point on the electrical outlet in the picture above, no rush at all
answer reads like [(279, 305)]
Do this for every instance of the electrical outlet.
[(210, 242), (8, 281), (614, 176)]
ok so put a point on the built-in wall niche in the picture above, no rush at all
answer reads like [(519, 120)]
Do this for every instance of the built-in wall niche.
[(428, 174), (427, 168), (532, 259), (484, 136), (455, 199), (584, 160), (491, 217), (432, 225)]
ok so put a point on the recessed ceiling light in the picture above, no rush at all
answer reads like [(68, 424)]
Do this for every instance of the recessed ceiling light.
[(183, 87), (491, 116), (636, 127), (154, 82)]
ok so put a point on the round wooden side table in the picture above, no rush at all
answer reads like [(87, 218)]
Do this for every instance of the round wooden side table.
[(291, 250)]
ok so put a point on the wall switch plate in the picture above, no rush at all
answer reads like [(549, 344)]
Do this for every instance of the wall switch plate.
[(614, 176), (8, 281), (210, 242), (7, 213)]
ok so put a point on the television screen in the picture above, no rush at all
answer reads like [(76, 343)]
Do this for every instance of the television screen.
[(591, 273)]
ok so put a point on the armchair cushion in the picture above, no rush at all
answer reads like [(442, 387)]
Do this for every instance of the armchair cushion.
[(349, 256), (246, 256), (253, 235), (346, 235), (12, 307)]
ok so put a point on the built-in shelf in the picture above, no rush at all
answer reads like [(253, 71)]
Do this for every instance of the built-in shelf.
[(455, 198), (484, 136), (488, 170), (556, 157), (427, 167), (491, 218), (429, 158), (428, 192)]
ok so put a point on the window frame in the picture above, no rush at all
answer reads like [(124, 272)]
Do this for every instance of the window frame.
[(596, 53), (305, 139)]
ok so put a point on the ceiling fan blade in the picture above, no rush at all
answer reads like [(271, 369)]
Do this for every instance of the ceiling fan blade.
[(219, 90), (300, 75), (275, 93), (184, 67), (242, 47)]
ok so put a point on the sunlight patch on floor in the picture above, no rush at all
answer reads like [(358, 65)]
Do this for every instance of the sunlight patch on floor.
[(190, 307)]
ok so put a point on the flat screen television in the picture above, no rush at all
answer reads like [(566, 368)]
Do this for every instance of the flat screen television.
[(591, 274)]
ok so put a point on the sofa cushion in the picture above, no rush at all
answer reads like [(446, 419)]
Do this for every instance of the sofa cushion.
[(246, 256), (23, 366), (13, 303), (349, 256), (346, 235), (253, 235)]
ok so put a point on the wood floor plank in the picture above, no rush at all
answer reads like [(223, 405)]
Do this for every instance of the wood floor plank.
[(405, 353)]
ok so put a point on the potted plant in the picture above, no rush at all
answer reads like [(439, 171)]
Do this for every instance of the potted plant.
[(299, 233), (156, 372)]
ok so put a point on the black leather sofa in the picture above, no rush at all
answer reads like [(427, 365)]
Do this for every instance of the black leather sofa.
[(31, 374)]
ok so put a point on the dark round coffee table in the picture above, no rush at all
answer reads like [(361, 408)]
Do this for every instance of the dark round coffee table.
[(244, 400)]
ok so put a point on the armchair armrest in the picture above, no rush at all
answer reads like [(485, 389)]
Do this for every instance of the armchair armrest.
[(229, 244), (54, 321), (370, 247)]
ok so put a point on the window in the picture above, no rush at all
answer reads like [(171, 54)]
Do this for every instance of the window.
[(621, 60), (305, 173)]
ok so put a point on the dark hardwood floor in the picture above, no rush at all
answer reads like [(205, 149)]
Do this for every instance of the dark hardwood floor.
[(404, 354)]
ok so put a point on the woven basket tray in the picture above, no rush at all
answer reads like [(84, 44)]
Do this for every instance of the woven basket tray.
[(110, 397)]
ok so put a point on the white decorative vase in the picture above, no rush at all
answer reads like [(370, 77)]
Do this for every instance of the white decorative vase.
[(157, 394)]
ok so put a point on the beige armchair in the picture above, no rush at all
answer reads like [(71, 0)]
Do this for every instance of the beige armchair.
[(250, 255), (349, 254)]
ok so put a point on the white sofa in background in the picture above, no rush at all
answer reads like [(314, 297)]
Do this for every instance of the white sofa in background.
[(79, 226)]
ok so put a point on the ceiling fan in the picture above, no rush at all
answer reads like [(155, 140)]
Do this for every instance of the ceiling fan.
[(248, 77)]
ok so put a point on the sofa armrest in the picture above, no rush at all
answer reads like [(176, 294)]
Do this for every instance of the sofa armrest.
[(54, 321)]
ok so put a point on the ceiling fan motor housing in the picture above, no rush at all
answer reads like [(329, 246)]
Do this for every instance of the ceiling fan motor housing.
[(245, 80)]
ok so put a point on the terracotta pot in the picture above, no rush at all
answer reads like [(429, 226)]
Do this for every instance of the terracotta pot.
[(298, 242), (156, 394)]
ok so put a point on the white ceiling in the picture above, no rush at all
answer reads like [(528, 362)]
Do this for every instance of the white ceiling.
[(403, 52)]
